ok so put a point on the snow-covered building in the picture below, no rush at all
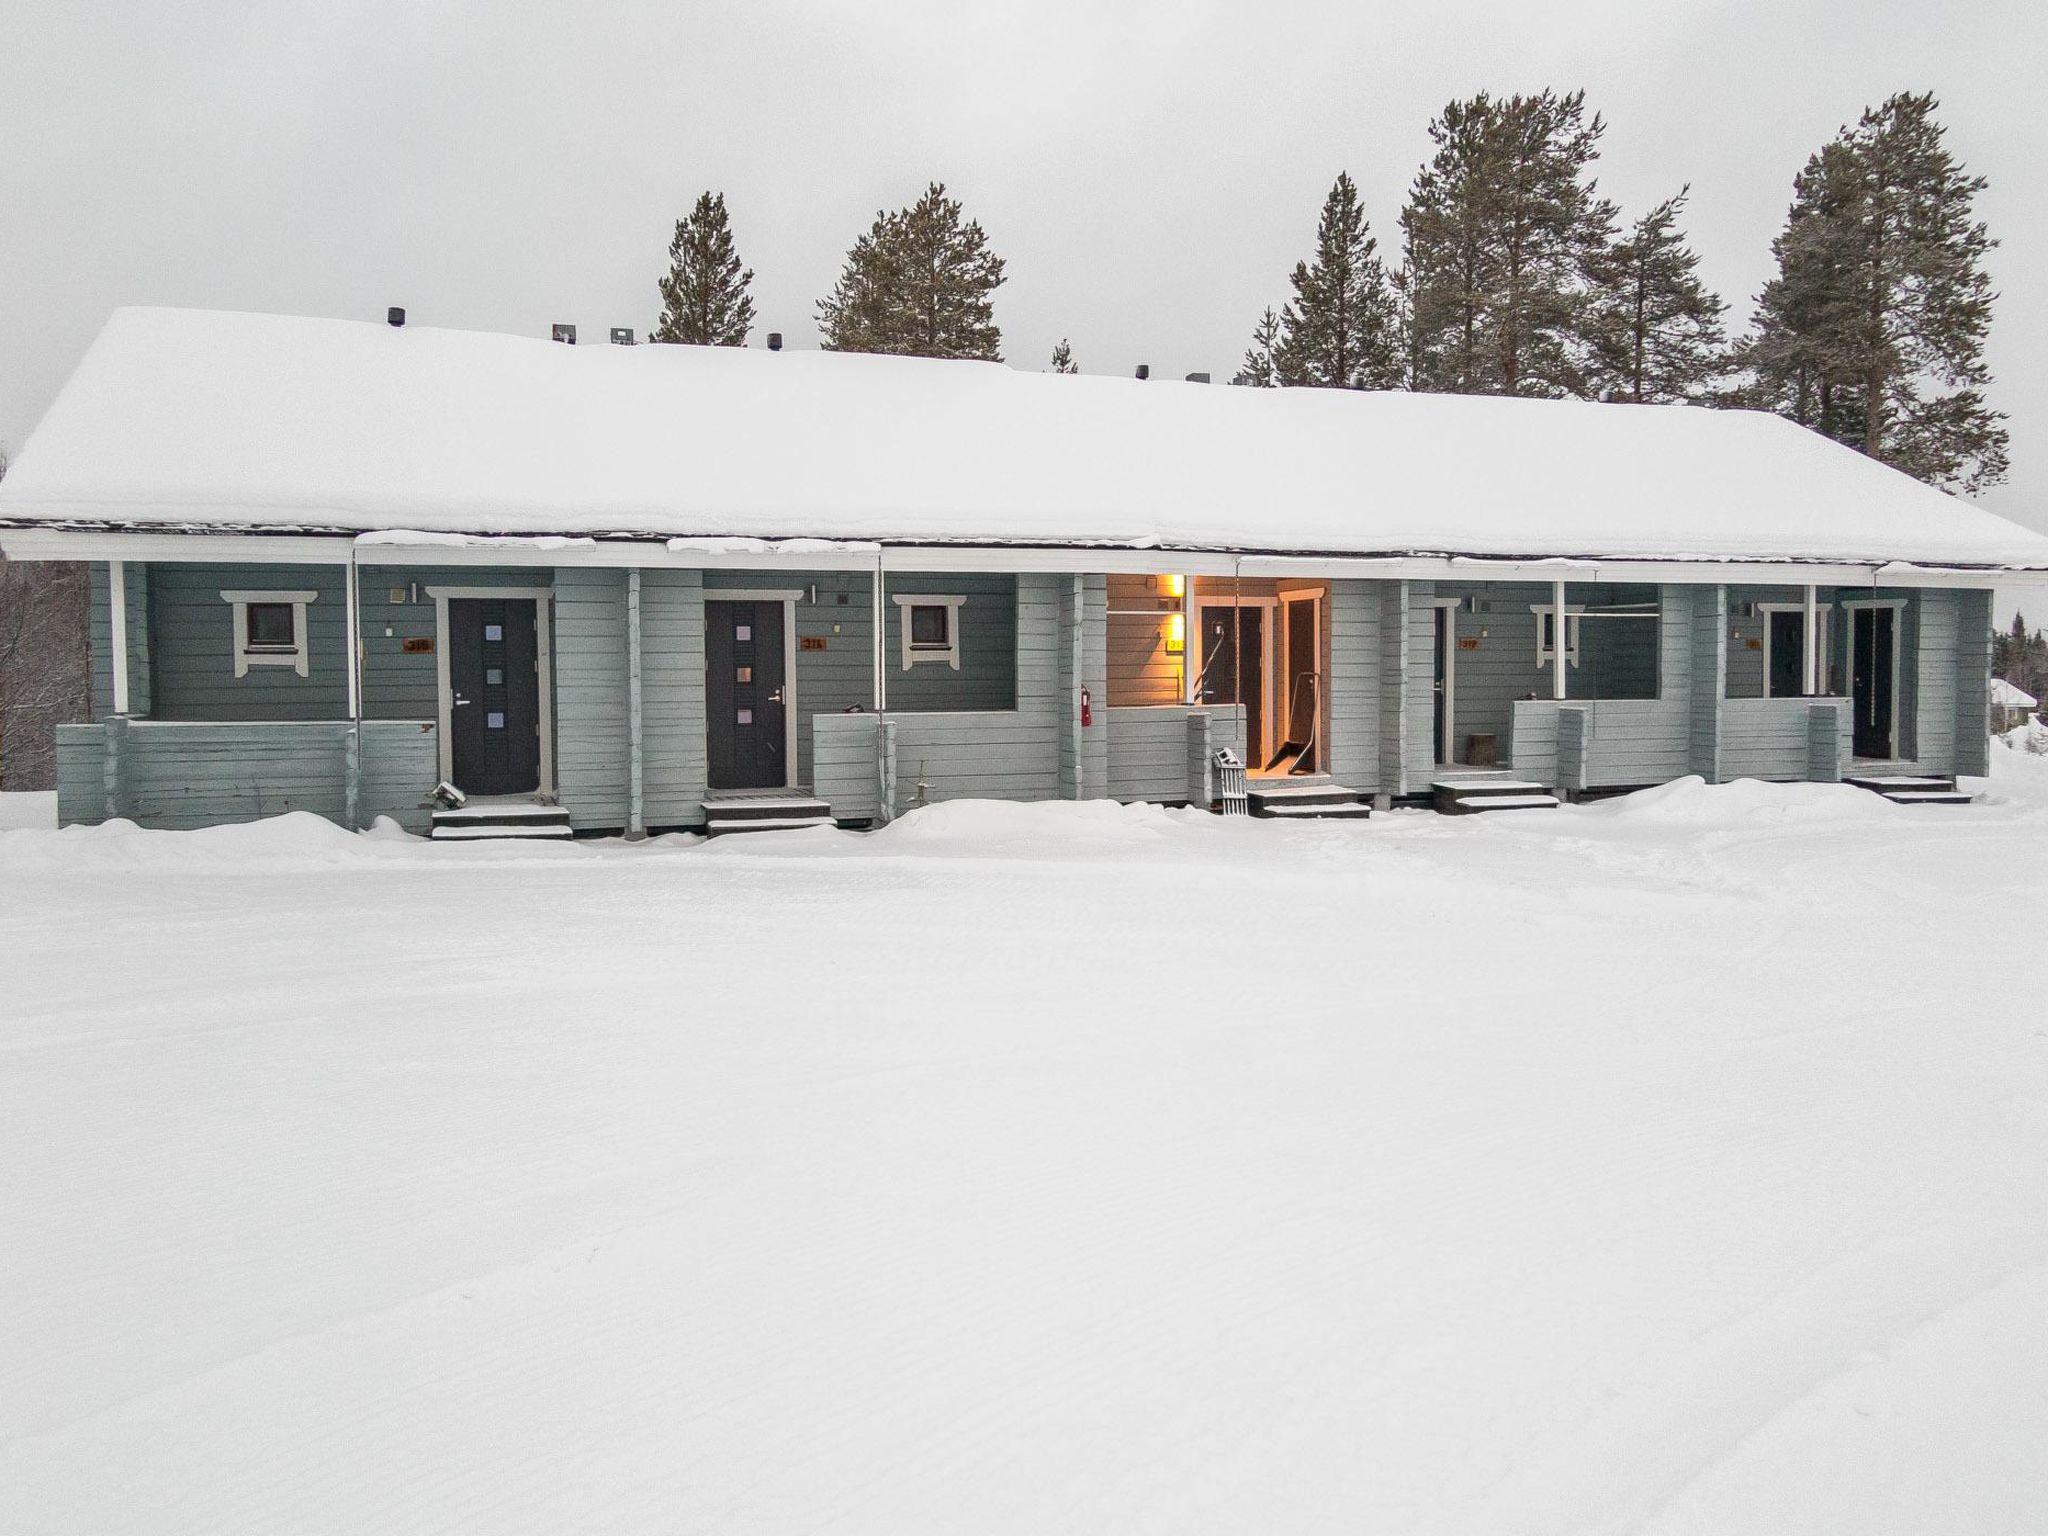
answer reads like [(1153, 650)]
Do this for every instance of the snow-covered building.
[(2010, 705), (638, 588)]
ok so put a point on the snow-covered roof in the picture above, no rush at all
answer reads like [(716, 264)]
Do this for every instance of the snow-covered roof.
[(2005, 696), (186, 418)]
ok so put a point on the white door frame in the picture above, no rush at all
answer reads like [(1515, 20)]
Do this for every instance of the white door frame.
[(1826, 644), (1447, 649), (1898, 606), (543, 666), (1315, 595), (787, 596)]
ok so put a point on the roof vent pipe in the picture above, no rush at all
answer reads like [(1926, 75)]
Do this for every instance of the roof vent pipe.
[(395, 315), (775, 341), (1144, 370), (1198, 378), (566, 333)]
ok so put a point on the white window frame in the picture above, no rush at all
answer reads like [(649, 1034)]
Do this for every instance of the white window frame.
[(1573, 613), (949, 653), (247, 656), (1823, 651)]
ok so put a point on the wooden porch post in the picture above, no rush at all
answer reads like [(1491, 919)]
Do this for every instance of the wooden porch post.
[(352, 740), (1557, 689), (1811, 674), (117, 629)]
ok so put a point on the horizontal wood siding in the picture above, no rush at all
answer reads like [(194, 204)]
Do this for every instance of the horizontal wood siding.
[(81, 774), (1709, 633), (1625, 742), (1930, 664), (1011, 754), (1418, 713), (1765, 738), (192, 648), (592, 731), (401, 764), (1395, 600), (1352, 621), (846, 772), (1139, 669), (1827, 738), (1148, 751), (672, 754), (1973, 675)]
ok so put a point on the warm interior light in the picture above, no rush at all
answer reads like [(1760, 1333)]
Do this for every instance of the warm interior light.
[(1176, 632), (1175, 585)]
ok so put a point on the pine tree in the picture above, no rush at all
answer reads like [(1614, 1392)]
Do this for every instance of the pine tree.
[(704, 297), (1338, 330), (1063, 358), (1795, 351), (919, 283), (1504, 234), (1259, 369), (1660, 337), (1873, 330)]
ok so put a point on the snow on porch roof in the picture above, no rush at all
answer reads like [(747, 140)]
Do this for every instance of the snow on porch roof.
[(195, 419)]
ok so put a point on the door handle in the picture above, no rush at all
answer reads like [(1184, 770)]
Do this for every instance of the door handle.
[(775, 697), (460, 701)]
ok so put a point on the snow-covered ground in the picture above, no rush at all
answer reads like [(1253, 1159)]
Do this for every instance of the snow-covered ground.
[(1678, 1164), (27, 808)]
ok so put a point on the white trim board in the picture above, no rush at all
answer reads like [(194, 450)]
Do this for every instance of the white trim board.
[(297, 657), (1898, 606), (788, 597), (1446, 744), (543, 666), (912, 654)]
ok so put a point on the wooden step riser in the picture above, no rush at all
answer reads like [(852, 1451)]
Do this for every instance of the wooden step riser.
[(816, 809)]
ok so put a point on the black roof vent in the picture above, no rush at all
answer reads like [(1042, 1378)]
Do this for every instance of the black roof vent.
[(622, 335), (565, 333), (1144, 370), (395, 315), (775, 341), (1198, 378)]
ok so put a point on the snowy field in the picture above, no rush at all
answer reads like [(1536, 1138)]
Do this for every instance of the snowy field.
[(1678, 1164)]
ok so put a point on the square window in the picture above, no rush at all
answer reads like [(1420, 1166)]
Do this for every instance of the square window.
[(494, 676), (270, 627), (743, 631), (494, 632), (931, 626), (743, 674), (746, 717), (494, 720)]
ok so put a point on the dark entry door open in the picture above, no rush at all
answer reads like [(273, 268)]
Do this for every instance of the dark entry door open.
[(1302, 704), (1234, 667), (1873, 637), (746, 726), (494, 680)]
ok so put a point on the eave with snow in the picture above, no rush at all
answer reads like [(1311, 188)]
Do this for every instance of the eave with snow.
[(1087, 532)]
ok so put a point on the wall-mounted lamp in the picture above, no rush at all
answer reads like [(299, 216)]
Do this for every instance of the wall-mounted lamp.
[(1176, 634), (1173, 586)]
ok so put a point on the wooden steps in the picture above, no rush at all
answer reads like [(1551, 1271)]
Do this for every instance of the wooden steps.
[(1912, 788), (1305, 802), (482, 820), (764, 811), (1473, 796)]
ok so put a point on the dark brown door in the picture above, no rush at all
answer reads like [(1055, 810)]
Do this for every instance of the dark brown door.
[(1234, 666), (746, 726), (494, 679), (1873, 633)]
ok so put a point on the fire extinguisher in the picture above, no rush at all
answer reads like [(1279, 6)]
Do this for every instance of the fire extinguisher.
[(1087, 709)]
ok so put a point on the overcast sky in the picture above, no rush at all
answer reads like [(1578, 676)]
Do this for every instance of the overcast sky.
[(1151, 172)]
